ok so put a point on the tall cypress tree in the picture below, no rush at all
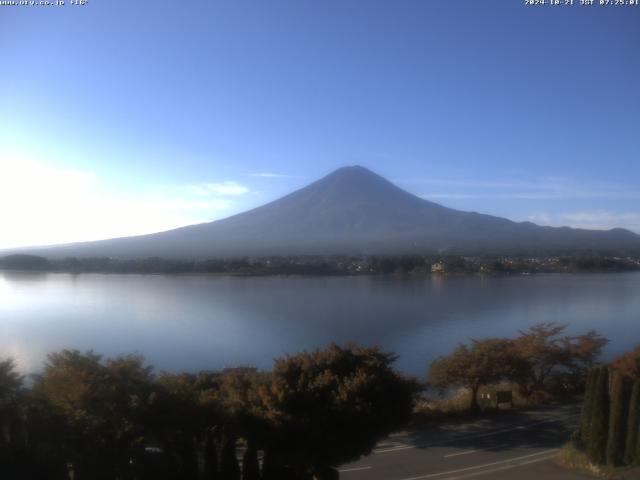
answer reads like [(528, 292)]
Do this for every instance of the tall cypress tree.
[(632, 446), (617, 419), (596, 450), (228, 463), (587, 406), (210, 458), (250, 465)]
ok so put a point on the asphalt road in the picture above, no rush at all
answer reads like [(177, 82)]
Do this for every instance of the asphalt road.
[(513, 445)]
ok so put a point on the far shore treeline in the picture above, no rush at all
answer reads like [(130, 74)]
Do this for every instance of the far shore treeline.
[(336, 264), (87, 417)]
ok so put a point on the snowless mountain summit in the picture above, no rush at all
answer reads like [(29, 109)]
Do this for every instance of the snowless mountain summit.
[(352, 211)]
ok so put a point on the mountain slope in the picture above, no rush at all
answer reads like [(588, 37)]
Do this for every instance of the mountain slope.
[(352, 211)]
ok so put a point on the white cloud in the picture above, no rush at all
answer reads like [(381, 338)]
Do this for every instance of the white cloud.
[(597, 220), (272, 175), (227, 188), (219, 188), (42, 204)]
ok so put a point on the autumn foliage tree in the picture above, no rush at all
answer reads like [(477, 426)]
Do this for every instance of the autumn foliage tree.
[(482, 363), (243, 416), (87, 417), (530, 361), (101, 407), (628, 363), (331, 406), (543, 351), (184, 414), (11, 391)]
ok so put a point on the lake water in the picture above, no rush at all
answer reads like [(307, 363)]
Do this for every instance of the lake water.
[(208, 322)]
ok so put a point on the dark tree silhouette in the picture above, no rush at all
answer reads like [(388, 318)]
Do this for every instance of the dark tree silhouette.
[(632, 443), (587, 406), (596, 449), (185, 413), (617, 419), (331, 406)]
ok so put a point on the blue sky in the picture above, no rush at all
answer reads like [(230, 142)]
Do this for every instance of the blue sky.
[(123, 117)]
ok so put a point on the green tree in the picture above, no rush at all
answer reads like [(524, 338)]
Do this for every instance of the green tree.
[(331, 406), (633, 424), (596, 449), (617, 419), (486, 361), (587, 406)]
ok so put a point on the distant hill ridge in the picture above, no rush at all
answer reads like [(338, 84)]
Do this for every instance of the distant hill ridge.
[(352, 211)]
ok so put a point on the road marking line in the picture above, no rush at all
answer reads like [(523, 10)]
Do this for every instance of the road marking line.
[(395, 449), (487, 449), (459, 453), (354, 469), (475, 467), (482, 472), (498, 469), (478, 435)]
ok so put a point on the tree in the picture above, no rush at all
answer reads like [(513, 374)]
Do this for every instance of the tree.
[(629, 363), (633, 424), (72, 385), (329, 407), (485, 362), (543, 352), (617, 419), (229, 469), (11, 392), (587, 406), (185, 417), (101, 406), (243, 415), (250, 465), (596, 449)]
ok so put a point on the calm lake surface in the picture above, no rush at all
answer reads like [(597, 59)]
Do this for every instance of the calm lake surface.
[(208, 322)]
